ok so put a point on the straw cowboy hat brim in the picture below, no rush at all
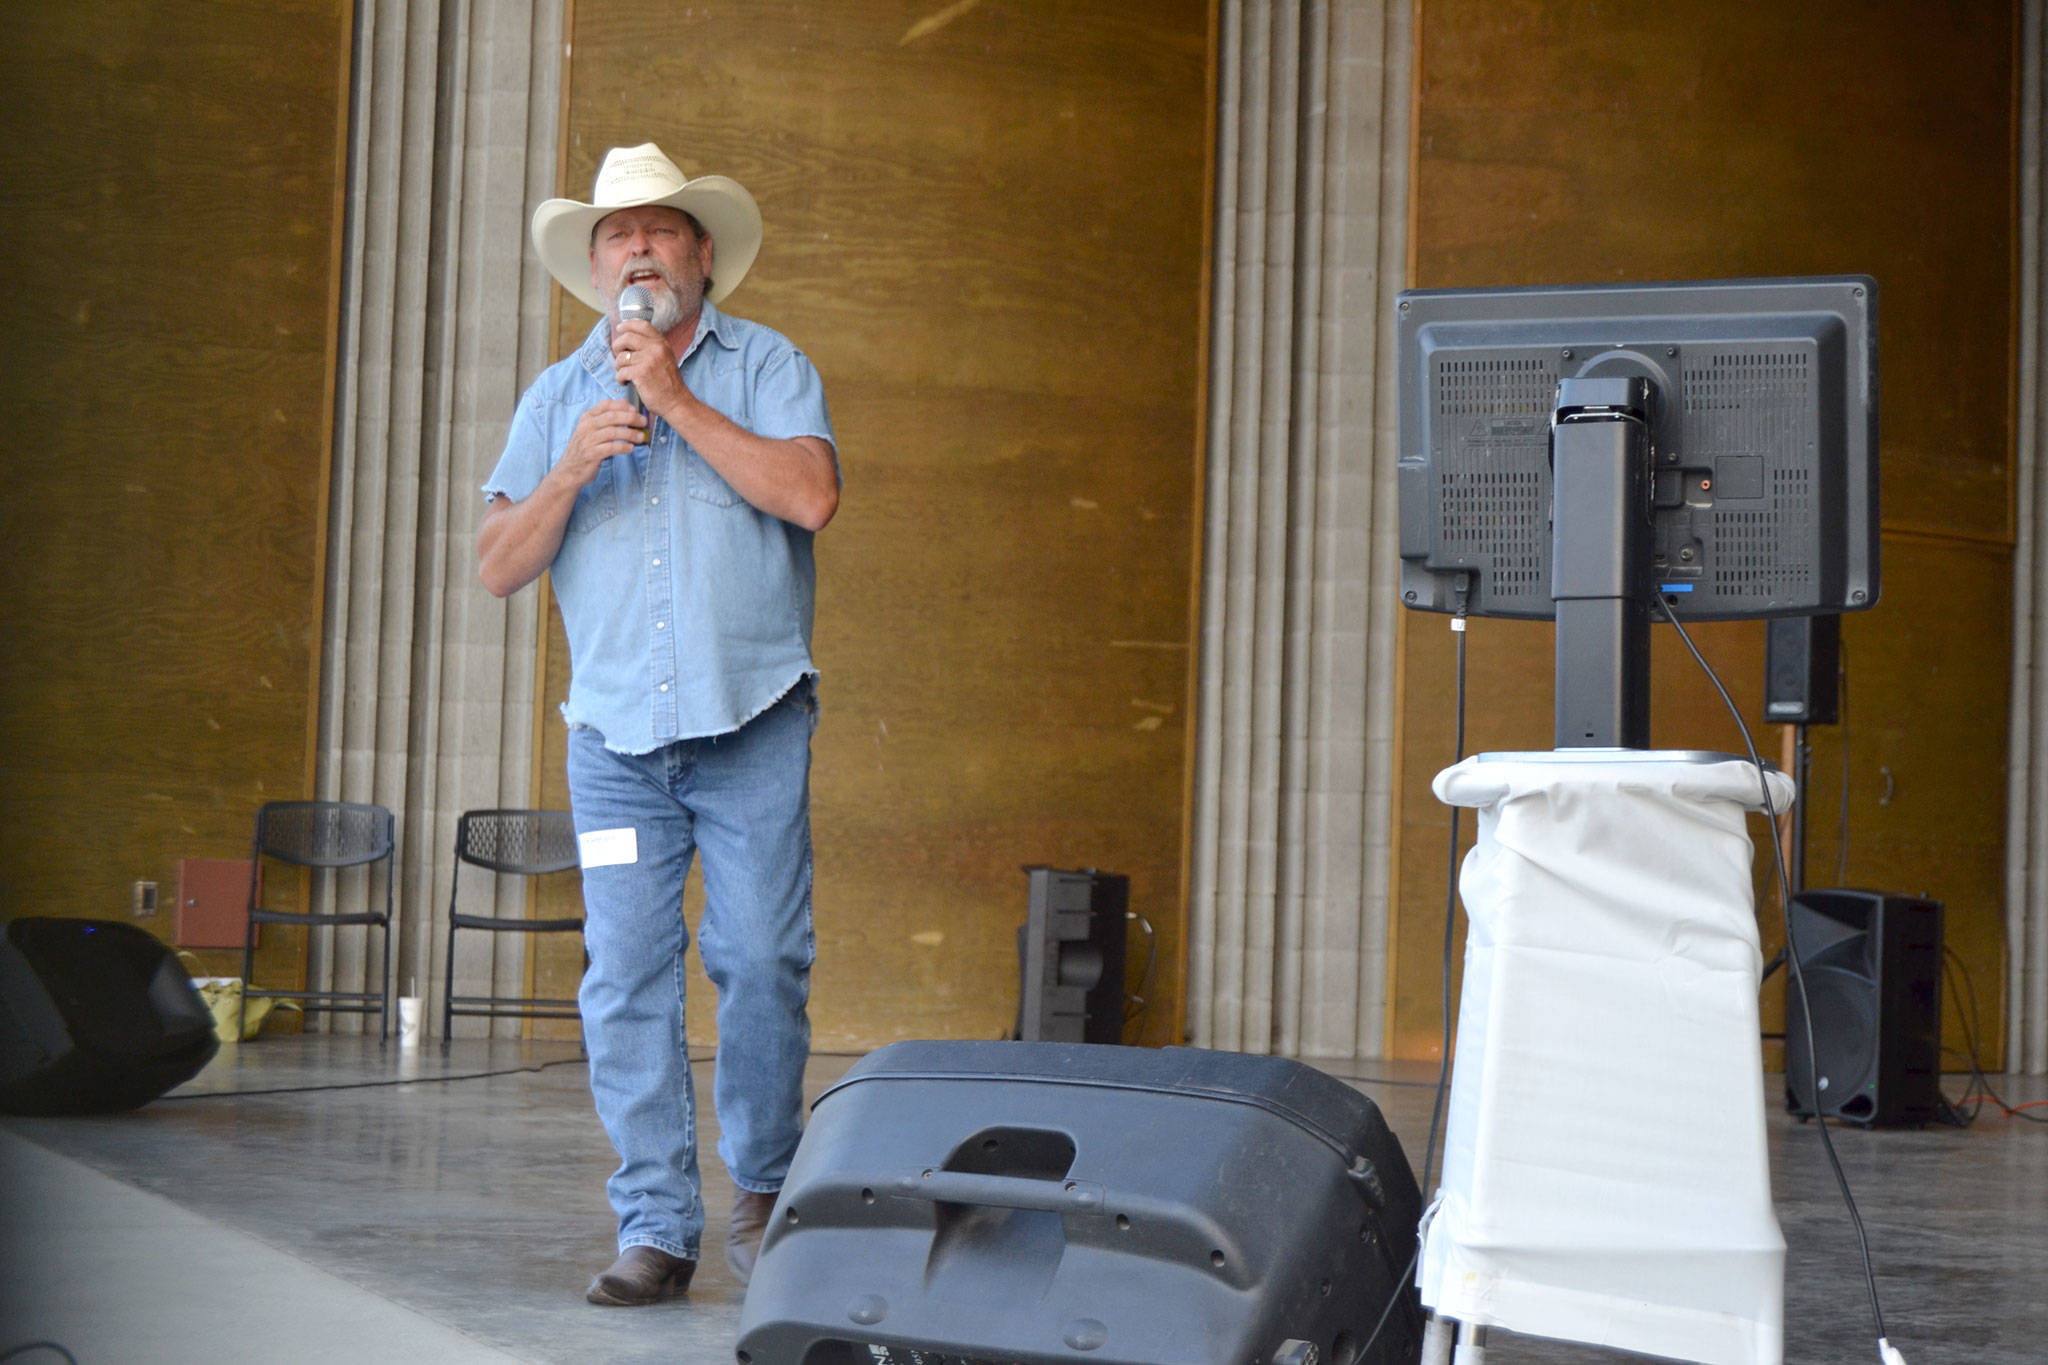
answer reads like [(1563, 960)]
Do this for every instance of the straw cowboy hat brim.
[(633, 177)]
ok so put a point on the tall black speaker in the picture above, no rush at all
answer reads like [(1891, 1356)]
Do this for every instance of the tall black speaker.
[(96, 1016), (1802, 658), (1032, 1203), (1872, 964)]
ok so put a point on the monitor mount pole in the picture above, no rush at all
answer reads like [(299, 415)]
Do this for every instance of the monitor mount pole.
[(1600, 561)]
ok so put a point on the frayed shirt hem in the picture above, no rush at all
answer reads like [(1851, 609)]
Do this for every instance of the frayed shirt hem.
[(809, 674)]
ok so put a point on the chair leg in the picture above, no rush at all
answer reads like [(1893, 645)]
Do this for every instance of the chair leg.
[(448, 990), (248, 973), (384, 1005)]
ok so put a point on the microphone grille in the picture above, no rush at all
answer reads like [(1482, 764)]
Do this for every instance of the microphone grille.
[(636, 303)]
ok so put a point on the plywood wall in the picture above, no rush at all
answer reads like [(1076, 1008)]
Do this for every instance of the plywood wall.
[(985, 225), (1563, 140), (172, 179)]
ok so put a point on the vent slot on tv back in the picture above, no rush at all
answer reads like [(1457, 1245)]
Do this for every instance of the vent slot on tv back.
[(1499, 514), (1505, 388)]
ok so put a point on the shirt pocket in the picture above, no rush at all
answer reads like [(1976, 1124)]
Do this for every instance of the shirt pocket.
[(705, 483), (598, 501)]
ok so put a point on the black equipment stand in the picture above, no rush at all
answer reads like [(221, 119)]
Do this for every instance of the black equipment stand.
[(1600, 561)]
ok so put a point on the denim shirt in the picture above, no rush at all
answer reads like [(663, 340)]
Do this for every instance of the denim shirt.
[(688, 611)]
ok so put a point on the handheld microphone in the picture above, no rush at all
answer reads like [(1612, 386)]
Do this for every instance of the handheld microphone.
[(636, 305)]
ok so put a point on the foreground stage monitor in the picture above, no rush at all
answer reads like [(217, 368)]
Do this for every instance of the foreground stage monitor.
[(1576, 452), (96, 1016), (968, 1203)]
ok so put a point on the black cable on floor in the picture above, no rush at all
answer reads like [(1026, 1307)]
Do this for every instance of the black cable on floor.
[(375, 1085), (1951, 962), (1798, 973), (1443, 1070), (26, 1346), (704, 1055), (1400, 1288), (1951, 1112)]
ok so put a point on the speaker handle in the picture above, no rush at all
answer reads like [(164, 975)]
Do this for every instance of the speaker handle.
[(1178, 1230), (1001, 1191), (1175, 1220)]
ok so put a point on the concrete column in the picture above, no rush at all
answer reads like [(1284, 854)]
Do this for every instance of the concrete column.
[(427, 685), (2026, 845), (1295, 726)]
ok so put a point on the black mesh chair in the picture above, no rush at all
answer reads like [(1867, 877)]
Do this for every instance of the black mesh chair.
[(527, 843), (322, 834)]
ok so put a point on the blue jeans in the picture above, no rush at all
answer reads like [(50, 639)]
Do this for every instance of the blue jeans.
[(744, 800)]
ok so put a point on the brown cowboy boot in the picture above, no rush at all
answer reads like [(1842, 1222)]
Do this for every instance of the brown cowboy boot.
[(749, 1221), (641, 1275)]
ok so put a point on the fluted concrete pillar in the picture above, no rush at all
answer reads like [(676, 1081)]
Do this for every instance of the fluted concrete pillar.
[(2026, 845), (427, 683), (1288, 913)]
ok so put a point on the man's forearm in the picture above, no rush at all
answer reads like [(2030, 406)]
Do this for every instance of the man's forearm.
[(518, 540), (795, 479)]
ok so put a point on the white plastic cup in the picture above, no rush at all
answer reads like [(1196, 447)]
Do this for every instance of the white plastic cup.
[(410, 1017)]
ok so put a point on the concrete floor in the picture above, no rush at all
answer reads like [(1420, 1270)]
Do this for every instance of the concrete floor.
[(458, 1216)]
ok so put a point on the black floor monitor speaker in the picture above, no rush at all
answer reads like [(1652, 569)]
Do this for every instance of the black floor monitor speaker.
[(1872, 965), (964, 1203), (96, 1016), (1070, 956), (1802, 661)]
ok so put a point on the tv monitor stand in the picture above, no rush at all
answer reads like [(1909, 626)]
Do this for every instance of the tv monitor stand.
[(1600, 564)]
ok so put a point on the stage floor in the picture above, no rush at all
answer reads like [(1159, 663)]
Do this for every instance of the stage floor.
[(293, 1204)]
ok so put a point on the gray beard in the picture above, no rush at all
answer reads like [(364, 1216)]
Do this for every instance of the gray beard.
[(668, 306), (668, 311)]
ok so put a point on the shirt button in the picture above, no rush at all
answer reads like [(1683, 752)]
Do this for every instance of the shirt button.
[(664, 687), (655, 501), (661, 625), (657, 563)]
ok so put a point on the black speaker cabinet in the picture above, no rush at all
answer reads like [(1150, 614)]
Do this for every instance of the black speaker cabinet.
[(1029, 1203), (1802, 658), (1070, 957), (96, 1016), (1872, 963)]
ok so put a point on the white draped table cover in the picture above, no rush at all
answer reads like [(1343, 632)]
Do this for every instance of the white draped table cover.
[(1605, 1177)]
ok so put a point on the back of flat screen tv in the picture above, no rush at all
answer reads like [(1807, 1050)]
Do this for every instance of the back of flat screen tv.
[(1762, 433)]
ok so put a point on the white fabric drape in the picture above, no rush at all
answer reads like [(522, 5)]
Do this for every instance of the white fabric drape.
[(426, 696), (1288, 886), (1613, 948), (2026, 845)]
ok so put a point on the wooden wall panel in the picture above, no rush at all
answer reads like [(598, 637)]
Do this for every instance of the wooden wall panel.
[(169, 215), (985, 225), (1561, 141), (1925, 732), (1569, 140)]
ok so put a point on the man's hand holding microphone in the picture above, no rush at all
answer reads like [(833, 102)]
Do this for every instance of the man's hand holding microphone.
[(645, 364), (614, 427), (635, 305)]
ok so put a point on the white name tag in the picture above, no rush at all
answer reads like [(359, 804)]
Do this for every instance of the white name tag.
[(609, 847)]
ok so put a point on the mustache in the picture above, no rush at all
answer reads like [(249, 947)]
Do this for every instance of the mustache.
[(638, 264)]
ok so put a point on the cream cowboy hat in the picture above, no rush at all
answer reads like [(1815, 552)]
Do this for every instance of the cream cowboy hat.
[(634, 176)]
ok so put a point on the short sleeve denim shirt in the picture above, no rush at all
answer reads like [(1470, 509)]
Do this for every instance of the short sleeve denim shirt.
[(688, 611)]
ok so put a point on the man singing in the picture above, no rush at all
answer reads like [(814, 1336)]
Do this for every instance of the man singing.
[(679, 542)]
